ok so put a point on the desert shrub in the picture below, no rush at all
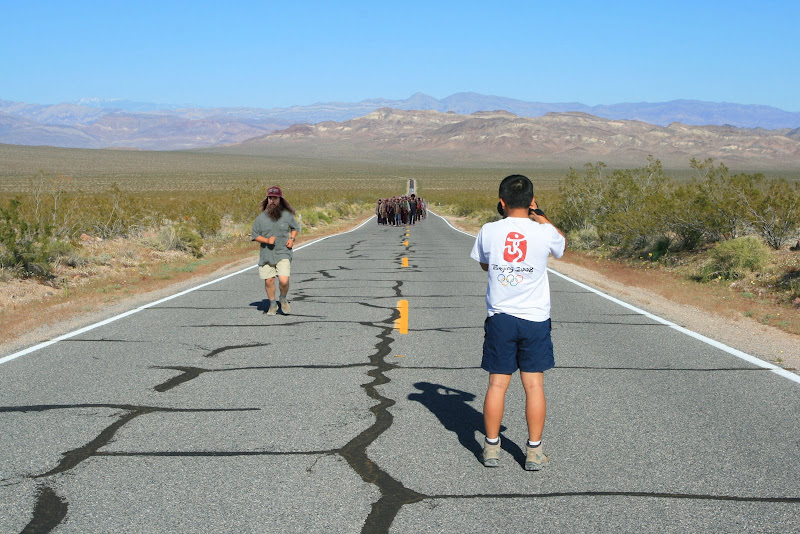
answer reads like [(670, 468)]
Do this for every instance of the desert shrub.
[(773, 209), (717, 200), (24, 244), (115, 213), (189, 240), (581, 198), (310, 218), (735, 258), (204, 217), (659, 249), (685, 216), (243, 203), (483, 217), (59, 248), (583, 239), (178, 237), (634, 201), (64, 253), (469, 205)]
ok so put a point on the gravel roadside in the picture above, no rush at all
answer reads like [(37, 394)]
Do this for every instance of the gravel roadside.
[(747, 335)]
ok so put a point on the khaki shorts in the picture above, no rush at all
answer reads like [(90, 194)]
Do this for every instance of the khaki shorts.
[(267, 271)]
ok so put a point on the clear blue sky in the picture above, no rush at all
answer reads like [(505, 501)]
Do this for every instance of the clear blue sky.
[(277, 54)]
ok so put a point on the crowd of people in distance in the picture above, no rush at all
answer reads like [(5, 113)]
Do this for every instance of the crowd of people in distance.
[(396, 211)]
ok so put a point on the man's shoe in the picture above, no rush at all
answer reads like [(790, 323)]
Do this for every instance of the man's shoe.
[(535, 459), (273, 308), (491, 454), (285, 306)]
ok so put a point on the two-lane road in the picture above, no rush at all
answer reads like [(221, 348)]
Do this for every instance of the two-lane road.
[(202, 414)]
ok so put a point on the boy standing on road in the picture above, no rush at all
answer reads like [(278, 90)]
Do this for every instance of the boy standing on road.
[(514, 252), (275, 229)]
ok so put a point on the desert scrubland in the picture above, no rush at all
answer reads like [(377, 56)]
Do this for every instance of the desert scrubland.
[(84, 228)]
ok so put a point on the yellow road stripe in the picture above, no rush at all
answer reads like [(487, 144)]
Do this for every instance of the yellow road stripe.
[(401, 324), (405, 261)]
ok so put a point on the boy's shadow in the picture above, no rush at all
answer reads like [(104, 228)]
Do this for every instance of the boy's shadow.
[(451, 407)]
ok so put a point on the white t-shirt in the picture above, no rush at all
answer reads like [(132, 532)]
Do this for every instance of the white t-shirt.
[(516, 250)]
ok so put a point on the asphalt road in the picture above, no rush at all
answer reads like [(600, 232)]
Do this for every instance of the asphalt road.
[(203, 414)]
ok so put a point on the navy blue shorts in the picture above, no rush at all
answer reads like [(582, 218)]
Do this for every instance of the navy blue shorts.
[(511, 343)]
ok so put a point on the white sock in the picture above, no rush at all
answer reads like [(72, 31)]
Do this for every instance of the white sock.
[(533, 444), (494, 441)]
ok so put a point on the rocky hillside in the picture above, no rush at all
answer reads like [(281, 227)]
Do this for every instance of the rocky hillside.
[(95, 123), (571, 138)]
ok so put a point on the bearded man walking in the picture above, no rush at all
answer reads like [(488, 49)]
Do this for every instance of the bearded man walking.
[(275, 229)]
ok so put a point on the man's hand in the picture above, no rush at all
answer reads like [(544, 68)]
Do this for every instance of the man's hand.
[(289, 242), (266, 240)]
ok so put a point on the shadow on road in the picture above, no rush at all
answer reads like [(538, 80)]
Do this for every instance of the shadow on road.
[(452, 408)]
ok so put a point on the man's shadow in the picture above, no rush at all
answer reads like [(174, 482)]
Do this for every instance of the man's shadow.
[(263, 306), (451, 407)]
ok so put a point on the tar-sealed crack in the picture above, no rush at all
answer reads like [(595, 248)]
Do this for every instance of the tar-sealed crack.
[(393, 493), (49, 511), (74, 457), (190, 373), (232, 347)]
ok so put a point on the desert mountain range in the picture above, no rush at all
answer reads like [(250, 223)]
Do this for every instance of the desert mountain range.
[(97, 123), (569, 138)]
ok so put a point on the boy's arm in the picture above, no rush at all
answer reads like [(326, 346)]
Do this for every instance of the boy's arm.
[(538, 216)]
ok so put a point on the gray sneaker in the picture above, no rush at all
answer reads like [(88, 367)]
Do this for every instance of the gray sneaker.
[(285, 306), (273, 308), (536, 458), (491, 454)]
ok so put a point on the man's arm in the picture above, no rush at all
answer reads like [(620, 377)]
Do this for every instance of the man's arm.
[(290, 241), (294, 229), (258, 238)]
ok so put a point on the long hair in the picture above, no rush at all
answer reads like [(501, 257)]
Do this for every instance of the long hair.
[(284, 205)]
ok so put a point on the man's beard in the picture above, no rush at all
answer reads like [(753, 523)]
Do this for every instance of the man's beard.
[(274, 211)]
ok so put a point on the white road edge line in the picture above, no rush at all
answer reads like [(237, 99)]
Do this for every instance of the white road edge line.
[(150, 305), (730, 350)]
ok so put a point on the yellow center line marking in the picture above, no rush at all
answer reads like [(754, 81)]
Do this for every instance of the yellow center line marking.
[(401, 324), (405, 242), (405, 261)]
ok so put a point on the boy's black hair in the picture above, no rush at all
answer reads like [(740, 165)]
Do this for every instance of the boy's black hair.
[(516, 191)]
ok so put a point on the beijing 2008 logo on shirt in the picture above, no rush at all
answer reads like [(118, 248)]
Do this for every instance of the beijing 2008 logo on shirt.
[(515, 248)]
